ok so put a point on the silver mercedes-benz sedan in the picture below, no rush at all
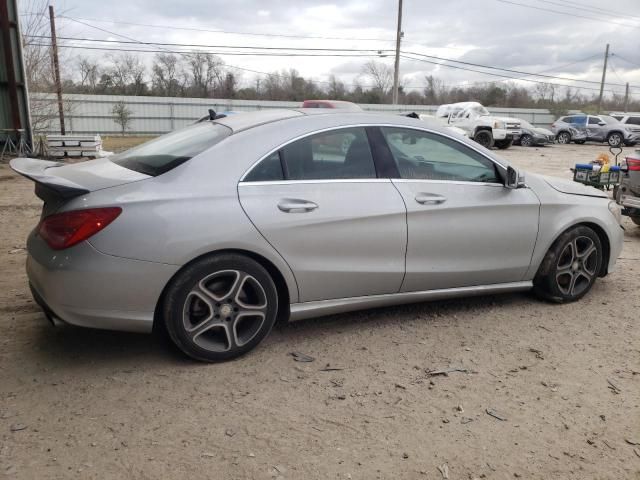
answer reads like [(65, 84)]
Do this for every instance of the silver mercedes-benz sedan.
[(216, 230)]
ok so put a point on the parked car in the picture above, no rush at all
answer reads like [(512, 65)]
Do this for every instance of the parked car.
[(595, 128), (567, 129), (341, 104), (480, 125), (216, 230), (534, 136), (631, 120), (627, 194)]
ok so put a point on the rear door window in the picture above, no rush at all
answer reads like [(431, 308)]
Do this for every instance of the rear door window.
[(336, 154), (633, 120), (164, 153)]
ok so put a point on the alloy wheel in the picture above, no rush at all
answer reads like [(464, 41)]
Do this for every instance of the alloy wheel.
[(224, 310), (526, 141), (577, 266), (615, 139), (564, 137)]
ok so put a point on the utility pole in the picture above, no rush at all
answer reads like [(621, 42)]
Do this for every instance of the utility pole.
[(396, 70), (626, 98), (604, 76), (56, 68)]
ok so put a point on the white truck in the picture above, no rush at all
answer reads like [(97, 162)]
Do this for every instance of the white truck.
[(479, 124)]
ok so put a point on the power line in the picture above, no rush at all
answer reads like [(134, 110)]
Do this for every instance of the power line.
[(194, 29), (260, 51), (498, 75), (140, 42), (594, 9), (575, 15), (628, 61), (509, 70), (193, 52)]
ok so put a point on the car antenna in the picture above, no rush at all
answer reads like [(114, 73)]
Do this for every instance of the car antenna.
[(212, 114)]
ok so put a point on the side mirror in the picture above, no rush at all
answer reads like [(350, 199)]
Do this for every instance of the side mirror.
[(514, 179)]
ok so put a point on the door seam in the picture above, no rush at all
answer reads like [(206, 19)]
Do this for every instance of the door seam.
[(406, 241)]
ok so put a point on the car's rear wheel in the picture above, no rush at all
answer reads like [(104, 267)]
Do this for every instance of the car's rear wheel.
[(570, 267), (615, 139), (564, 138), (220, 307), (526, 140), (484, 138)]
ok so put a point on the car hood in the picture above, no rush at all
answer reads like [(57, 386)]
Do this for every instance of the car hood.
[(508, 119), (571, 188)]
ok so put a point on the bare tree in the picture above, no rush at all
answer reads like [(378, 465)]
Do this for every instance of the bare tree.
[(122, 115), (167, 75), (337, 89), (89, 74), (382, 76), (435, 92), (206, 74), (126, 74)]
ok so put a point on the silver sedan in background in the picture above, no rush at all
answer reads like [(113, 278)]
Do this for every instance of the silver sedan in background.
[(217, 230)]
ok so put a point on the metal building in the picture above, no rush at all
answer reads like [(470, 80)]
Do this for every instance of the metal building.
[(15, 125)]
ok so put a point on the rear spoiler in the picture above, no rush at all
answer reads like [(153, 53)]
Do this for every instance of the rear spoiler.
[(46, 183)]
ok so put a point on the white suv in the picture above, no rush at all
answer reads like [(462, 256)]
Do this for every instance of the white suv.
[(631, 120)]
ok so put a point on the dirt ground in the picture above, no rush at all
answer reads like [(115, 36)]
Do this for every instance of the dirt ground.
[(546, 391)]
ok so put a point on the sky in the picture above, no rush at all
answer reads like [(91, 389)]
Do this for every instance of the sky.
[(556, 37)]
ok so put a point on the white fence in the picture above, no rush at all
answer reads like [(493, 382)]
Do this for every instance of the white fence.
[(89, 114)]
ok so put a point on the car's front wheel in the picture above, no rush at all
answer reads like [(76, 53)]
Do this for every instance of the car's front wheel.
[(570, 267), (484, 138), (615, 139), (220, 307)]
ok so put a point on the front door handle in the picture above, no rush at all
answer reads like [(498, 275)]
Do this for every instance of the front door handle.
[(430, 199), (295, 205)]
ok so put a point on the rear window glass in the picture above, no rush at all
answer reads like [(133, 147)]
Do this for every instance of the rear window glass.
[(168, 151)]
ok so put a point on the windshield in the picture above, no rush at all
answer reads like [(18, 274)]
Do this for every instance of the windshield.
[(479, 110), (525, 124), (168, 151)]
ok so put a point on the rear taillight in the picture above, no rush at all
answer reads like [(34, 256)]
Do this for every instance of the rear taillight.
[(633, 164), (64, 230)]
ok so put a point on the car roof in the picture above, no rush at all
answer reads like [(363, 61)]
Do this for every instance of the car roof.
[(246, 120)]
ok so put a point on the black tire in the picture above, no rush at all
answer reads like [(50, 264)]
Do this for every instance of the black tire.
[(615, 139), (211, 325), (526, 140), (580, 142), (484, 138), (503, 144), (635, 220), (564, 138), (564, 276)]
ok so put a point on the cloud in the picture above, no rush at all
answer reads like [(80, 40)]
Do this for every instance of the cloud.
[(486, 32)]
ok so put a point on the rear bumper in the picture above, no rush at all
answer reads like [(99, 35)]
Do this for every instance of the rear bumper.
[(84, 287)]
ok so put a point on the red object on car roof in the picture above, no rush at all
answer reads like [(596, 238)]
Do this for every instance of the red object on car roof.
[(331, 104)]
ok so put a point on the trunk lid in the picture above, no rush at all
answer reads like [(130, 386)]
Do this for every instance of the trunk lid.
[(58, 182)]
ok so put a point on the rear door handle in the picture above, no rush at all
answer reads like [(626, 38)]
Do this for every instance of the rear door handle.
[(430, 199), (295, 205)]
